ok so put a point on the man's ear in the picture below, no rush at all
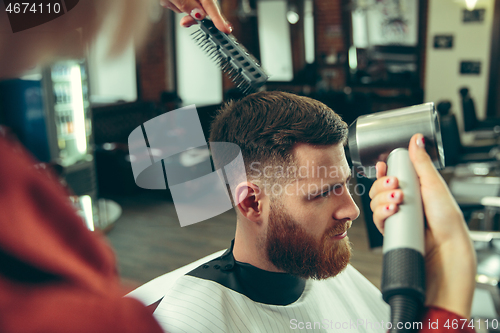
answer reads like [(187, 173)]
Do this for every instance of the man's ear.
[(250, 201)]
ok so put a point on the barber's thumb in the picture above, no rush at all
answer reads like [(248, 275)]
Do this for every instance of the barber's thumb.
[(421, 160)]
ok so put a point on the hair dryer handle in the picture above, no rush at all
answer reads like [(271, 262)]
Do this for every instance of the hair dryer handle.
[(405, 229), (403, 273)]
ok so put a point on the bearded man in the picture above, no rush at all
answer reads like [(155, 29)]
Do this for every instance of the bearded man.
[(288, 266)]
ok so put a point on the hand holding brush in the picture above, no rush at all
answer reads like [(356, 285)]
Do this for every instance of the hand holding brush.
[(197, 11)]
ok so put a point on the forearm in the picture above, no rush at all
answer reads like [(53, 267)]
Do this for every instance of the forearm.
[(451, 284)]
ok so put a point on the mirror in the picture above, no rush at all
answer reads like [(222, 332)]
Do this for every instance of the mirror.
[(384, 43)]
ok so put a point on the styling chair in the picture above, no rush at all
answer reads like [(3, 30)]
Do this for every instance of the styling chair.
[(482, 129), (455, 152), (472, 172)]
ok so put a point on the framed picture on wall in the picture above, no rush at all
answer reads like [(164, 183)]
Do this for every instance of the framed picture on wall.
[(443, 41), (476, 15), (470, 67), (385, 22)]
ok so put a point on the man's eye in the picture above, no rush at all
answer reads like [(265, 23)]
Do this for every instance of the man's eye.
[(338, 189), (325, 194)]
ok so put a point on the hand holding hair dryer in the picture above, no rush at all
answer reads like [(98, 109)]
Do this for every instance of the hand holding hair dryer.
[(385, 136)]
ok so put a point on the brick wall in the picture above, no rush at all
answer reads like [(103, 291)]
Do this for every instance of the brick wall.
[(329, 30), (152, 64), (330, 40)]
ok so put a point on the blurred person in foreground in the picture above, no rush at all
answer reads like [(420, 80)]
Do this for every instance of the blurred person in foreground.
[(288, 266), (57, 276)]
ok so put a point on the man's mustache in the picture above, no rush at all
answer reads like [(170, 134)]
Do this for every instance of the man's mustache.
[(338, 228)]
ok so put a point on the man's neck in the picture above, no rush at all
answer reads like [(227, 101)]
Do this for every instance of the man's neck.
[(249, 250)]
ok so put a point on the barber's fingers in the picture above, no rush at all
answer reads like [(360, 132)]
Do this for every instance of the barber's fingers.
[(384, 204), (383, 184), (187, 21), (381, 168), (219, 22), (169, 5), (213, 11), (381, 213), (191, 7), (198, 11), (423, 165), (387, 198)]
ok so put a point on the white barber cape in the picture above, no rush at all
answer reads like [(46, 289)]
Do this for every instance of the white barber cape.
[(223, 295)]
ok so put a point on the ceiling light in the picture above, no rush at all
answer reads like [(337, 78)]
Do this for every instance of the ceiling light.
[(292, 17)]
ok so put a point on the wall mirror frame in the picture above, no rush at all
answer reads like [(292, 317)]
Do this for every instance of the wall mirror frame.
[(386, 43)]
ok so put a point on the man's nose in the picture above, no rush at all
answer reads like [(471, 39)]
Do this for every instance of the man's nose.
[(346, 208)]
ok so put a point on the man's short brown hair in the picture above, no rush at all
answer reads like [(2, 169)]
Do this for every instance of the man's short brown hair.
[(267, 125)]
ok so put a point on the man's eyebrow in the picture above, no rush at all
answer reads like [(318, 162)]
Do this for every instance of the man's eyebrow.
[(341, 182), (332, 185), (348, 178)]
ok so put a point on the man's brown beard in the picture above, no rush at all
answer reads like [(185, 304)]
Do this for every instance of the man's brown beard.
[(292, 249)]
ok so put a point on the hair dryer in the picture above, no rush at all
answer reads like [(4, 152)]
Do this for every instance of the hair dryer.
[(385, 136)]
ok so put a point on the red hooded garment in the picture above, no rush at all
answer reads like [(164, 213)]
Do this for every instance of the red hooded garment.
[(55, 274)]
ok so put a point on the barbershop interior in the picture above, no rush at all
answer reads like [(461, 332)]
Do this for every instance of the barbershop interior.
[(78, 117)]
